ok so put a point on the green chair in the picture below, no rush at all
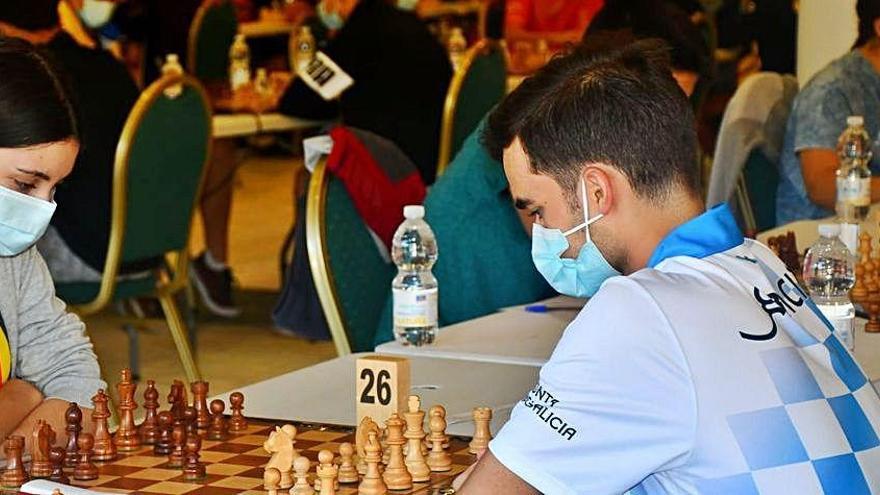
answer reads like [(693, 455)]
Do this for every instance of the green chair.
[(211, 33), (350, 276), (477, 86), (756, 192), (160, 162)]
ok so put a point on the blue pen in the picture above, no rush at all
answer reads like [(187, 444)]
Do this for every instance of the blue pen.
[(543, 308)]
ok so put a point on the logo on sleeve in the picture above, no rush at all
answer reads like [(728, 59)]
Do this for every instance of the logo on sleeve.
[(542, 403), (789, 298)]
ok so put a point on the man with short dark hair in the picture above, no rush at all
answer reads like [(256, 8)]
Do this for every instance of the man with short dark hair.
[(698, 366)]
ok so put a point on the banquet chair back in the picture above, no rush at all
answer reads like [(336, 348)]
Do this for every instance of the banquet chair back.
[(351, 277), (210, 35), (158, 172), (477, 86)]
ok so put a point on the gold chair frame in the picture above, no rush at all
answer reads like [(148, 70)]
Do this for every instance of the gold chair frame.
[(451, 103), (167, 286), (316, 231)]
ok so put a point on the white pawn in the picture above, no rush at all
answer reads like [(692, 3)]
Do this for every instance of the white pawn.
[(438, 459), (327, 472), (301, 472), (347, 472)]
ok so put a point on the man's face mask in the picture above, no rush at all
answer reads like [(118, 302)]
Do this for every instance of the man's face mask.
[(579, 277)]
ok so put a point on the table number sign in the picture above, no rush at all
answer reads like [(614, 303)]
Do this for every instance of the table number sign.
[(325, 77), (382, 386)]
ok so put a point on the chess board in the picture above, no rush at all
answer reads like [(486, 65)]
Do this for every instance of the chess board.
[(235, 466)]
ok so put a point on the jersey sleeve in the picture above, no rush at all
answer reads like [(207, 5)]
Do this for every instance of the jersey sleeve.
[(614, 404), (821, 116)]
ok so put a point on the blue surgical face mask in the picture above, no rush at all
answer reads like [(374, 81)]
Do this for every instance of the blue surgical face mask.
[(96, 13), (331, 20), (580, 277), (23, 220), (408, 5)]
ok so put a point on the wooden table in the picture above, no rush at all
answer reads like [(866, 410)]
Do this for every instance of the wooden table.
[(266, 28), (249, 124)]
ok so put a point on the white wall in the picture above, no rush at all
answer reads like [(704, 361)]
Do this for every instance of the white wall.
[(826, 30)]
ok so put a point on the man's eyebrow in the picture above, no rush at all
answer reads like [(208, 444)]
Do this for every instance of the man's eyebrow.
[(523, 203), (35, 173)]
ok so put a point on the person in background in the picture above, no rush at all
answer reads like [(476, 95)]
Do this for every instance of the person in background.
[(401, 74), (557, 22), (75, 246), (46, 360), (848, 86)]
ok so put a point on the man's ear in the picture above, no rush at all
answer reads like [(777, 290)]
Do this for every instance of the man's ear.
[(877, 27), (600, 193)]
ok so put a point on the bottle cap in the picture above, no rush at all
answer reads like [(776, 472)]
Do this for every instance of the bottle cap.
[(172, 58), (853, 120), (829, 230), (413, 212)]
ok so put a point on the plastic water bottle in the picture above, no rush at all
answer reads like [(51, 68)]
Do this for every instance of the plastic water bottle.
[(239, 63), (829, 276), (172, 67), (854, 176), (414, 251), (457, 46), (301, 49)]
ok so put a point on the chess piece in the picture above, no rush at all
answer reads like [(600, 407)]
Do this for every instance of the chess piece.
[(178, 446), (42, 439), (218, 430), (73, 418), (438, 459), (200, 403), (327, 472), (85, 470), (126, 438), (14, 474), (165, 424), (860, 289), (177, 400), (237, 421), (56, 457), (396, 475), (367, 425), (104, 448), (194, 469), (280, 445), (372, 484), (149, 429), (415, 436), (189, 420), (347, 472), (482, 435), (271, 479), (301, 469)]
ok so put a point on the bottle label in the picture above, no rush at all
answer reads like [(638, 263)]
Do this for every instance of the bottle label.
[(415, 308), (854, 190)]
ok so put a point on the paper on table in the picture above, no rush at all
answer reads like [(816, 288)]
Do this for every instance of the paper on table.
[(553, 302), (45, 487)]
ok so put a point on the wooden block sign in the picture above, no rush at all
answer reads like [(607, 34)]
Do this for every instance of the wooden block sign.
[(382, 386)]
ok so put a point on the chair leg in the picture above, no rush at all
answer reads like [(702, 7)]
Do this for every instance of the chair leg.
[(134, 362), (180, 336)]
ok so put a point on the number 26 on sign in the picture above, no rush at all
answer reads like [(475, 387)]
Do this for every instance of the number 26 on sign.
[(382, 385)]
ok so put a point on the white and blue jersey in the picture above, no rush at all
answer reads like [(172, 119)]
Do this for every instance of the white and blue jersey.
[(709, 372)]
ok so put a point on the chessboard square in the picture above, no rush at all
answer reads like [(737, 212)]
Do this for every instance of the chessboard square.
[(247, 460), (215, 490), (100, 480), (255, 472), (331, 446), (254, 429), (207, 480), (236, 448), (212, 456), (238, 482), (170, 488), (767, 438), (225, 469), (155, 474), (104, 489), (320, 436), (793, 379), (249, 439), (128, 483), (142, 461), (207, 444), (827, 441), (841, 475), (259, 451), (858, 429), (117, 470), (794, 478)]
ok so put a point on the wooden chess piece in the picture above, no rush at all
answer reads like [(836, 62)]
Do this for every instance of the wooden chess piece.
[(347, 471), (301, 469), (860, 289), (56, 457), (194, 470), (396, 475), (271, 479), (415, 436), (372, 484), (149, 429), (104, 448), (482, 434), (73, 418), (14, 474), (85, 470), (178, 446), (326, 472), (367, 425), (200, 403), (164, 443), (177, 400), (189, 420), (218, 430), (42, 439), (126, 438), (280, 445), (237, 421), (438, 459)]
